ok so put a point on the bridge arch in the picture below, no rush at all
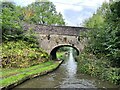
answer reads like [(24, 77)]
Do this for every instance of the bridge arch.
[(56, 48)]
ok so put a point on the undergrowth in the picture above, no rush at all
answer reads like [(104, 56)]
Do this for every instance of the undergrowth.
[(100, 68), (18, 54)]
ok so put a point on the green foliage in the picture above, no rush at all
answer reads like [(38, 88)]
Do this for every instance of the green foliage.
[(21, 54), (11, 28), (105, 37), (88, 63), (101, 58), (42, 13)]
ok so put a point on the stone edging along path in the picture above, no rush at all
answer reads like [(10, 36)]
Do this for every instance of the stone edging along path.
[(30, 77)]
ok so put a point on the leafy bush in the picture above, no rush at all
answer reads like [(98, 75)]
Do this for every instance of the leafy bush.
[(21, 54)]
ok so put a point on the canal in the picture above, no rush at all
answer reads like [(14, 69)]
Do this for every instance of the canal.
[(66, 76)]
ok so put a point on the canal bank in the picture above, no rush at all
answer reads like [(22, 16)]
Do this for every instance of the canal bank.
[(13, 77), (67, 76)]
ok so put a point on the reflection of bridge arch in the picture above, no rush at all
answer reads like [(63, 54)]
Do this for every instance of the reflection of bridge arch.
[(55, 49)]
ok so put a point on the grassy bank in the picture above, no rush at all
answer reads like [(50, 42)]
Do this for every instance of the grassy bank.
[(22, 60), (17, 75), (100, 68)]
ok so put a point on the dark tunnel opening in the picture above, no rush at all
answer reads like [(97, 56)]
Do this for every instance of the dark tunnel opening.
[(54, 51)]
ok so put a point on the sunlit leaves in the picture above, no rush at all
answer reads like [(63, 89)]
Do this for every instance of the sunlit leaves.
[(20, 54)]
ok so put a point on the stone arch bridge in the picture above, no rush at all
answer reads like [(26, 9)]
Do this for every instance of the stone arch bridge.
[(51, 38)]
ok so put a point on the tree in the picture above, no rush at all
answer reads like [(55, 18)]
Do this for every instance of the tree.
[(43, 13), (11, 28)]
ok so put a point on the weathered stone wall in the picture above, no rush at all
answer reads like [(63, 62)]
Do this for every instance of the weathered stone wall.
[(55, 41), (57, 30)]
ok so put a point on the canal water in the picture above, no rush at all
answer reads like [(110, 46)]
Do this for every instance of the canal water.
[(66, 76)]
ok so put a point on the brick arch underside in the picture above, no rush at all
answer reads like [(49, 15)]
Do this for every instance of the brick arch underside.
[(55, 49)]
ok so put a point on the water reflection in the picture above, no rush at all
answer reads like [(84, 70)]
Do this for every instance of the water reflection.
[(72, 81), (71, 65)]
